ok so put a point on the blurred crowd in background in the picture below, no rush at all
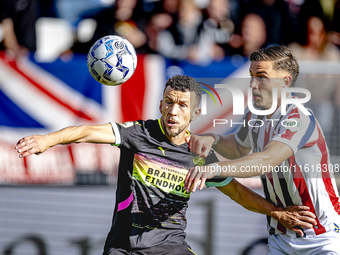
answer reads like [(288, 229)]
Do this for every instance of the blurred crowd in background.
[(199, 31)]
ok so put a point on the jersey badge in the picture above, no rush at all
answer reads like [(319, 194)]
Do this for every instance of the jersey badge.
[(199, 161)]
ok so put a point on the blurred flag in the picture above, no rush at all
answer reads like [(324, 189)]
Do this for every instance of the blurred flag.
[(37, 98)]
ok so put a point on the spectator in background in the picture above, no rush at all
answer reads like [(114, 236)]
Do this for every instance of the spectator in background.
[(334, 147), (171, 7), (325, 10), (219, 25), (164, 14), (158, 22), (123, 19), (328, 12), (253, 36), (280, 26), (18, 19), (186, 38), (317, 46), (334, 34)]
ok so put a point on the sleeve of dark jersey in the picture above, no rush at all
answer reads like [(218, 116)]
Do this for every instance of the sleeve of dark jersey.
[(128, 133)]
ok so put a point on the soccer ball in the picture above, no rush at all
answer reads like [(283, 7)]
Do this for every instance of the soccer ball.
[(112, 60)]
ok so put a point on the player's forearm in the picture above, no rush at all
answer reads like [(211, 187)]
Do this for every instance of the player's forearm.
[(84, 134), (72, 134), (249, 199), (252, 165), (257, 163), (37, 144)]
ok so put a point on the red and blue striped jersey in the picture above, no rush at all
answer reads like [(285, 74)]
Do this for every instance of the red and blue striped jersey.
[(305, 178)]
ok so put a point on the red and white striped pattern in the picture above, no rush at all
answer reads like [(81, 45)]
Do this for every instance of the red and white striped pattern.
[(307, 178)]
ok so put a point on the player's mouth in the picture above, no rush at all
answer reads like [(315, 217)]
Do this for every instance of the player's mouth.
[(256, 96), (171, 123)]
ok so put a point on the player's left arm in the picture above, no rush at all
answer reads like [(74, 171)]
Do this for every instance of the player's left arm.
[(291, 217), (251, 165)]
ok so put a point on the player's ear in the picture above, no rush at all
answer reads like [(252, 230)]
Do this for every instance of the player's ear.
[(195, 113), (160, 106), (286, 81)]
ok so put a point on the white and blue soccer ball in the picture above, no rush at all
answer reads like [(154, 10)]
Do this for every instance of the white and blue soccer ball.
[(112, 60)]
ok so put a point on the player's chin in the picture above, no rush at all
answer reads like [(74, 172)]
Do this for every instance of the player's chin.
[(258, 104), (172, 131)]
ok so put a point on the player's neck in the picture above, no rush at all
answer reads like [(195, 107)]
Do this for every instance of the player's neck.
[(178, 139), (270, 115)]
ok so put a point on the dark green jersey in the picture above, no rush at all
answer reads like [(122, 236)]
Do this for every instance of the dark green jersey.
[(151, 200)]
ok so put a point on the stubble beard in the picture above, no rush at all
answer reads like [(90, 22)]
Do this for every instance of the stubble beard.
[(173, 133)]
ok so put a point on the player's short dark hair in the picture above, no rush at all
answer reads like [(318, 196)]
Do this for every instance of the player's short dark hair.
[(282, 59), (185, 83)]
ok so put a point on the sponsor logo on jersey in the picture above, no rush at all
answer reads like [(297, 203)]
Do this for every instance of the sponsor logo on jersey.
[(162, 150), (127, 124), (160, 174), (293, 125)]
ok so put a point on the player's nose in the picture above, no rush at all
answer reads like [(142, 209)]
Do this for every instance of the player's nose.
[(173, 109), (253, 84)]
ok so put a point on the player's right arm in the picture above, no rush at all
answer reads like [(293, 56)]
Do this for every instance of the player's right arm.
[(293, 217), (37, 144), (227, 146)]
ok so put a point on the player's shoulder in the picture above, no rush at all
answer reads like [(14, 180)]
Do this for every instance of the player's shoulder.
[(296, 119), (129, 124), (294, 112)]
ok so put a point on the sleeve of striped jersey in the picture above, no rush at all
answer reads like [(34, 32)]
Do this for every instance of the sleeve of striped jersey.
[(297, 136), (218, 182), (241, 134)]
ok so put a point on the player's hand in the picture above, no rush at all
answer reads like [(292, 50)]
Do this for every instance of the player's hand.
[(295, 217), (200, 145), (196, 174), (35, 144)]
